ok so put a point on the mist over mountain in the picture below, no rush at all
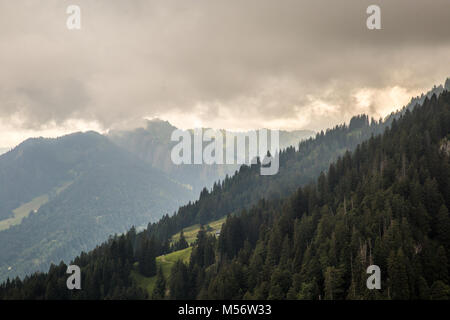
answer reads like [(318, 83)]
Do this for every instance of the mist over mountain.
[(66, 195), (95, 189), (153, 144), (224, 150), (419, 100), (61, 196), (384, 205), (386, 202)]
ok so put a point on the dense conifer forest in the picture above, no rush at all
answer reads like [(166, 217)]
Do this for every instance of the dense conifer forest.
[(384, 204)]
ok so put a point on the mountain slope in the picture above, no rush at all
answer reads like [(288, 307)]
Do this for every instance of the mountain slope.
[(243, 190), (153, 144), (248, 186), (294, 248), (386, 204), (105, 190)]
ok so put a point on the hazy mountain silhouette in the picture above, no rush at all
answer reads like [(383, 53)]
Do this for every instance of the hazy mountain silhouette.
[(83, 188)]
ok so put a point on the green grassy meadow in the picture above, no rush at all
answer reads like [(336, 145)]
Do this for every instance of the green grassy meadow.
[(167, 261)]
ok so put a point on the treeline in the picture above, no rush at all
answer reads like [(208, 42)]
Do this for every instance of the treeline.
[(384, 204), (242, 190), (274, 242), (105, 271), (110, 191), (248, 186)]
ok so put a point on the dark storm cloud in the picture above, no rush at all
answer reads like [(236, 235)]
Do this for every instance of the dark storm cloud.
[(240, 63)]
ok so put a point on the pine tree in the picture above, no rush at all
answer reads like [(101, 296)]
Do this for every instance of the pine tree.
[(181, 243), (147, 258), (179, 281), (159, 291), (398, 277), (334, 283)]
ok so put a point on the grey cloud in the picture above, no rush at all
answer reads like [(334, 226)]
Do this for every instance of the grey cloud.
[(248, 59), (67, 98)]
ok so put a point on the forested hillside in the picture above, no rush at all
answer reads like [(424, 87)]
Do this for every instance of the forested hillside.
[(242, 190), (71, 193), (248, 186), (385, 203)]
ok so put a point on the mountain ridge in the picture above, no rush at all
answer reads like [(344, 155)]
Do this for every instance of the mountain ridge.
[(109, 190), (313, 244)]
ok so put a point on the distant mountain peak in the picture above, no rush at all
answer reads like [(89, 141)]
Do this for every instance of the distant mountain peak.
[(157, 125), (447, 84), (157, 121)]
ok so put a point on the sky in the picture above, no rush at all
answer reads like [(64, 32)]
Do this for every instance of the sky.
[(234, 64)]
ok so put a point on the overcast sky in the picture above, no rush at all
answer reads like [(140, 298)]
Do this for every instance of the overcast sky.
[(236, 64)]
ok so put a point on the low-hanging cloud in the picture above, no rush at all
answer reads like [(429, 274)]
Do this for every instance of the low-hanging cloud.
[(237, 64)]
